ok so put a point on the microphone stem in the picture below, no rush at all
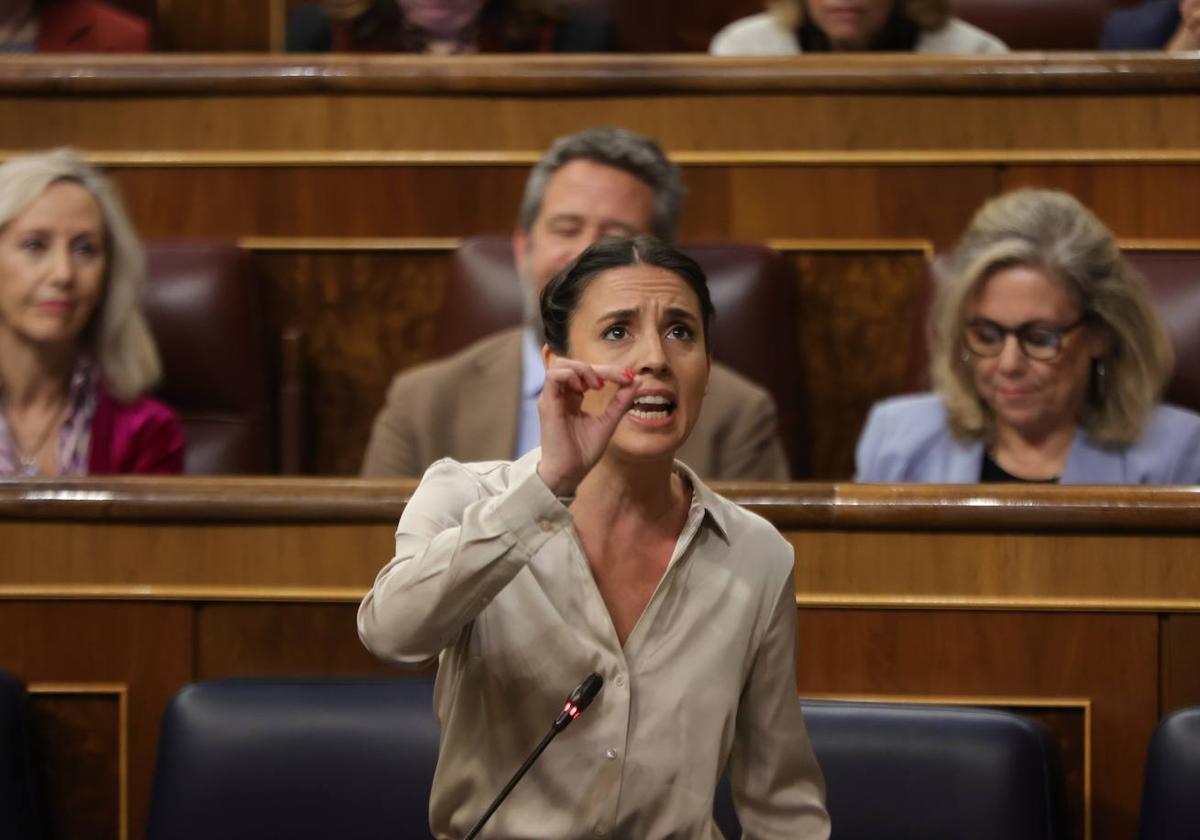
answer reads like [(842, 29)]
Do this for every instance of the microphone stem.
[(512, 783)]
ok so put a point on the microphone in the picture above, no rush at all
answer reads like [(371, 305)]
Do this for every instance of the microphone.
[(580, 699)]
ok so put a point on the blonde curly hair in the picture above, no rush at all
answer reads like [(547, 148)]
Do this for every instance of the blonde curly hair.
[(1053, 232)]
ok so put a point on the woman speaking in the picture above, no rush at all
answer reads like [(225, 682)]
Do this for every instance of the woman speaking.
[(600, 552)]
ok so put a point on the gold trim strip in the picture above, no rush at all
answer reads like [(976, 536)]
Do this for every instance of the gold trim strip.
[(922, 246), (121, 690), (980, 602), (155, 592), (1159, 244), (348, 594), (867, 157)]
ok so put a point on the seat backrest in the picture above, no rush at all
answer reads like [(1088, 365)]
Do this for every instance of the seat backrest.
[(203, 304), (302, 759), (1174, 280), (911, 772), (1170, 804), (20, 805), (753, 289), (1037, 24)]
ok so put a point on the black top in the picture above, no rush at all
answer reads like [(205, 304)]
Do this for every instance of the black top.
[(994, 473), (899, 34)]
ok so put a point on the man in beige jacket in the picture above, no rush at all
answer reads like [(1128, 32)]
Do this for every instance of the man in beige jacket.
[(480, 404)]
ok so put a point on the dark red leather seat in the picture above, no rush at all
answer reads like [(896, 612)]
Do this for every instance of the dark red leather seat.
[(203, 304)]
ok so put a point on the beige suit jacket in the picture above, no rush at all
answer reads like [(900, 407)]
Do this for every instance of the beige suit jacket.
[(465, 407)]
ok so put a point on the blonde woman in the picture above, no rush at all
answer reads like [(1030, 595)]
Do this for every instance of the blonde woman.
[(789, 27), (1048, 360), (76, 356)]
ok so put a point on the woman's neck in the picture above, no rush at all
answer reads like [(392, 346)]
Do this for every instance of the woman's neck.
[(615, 488), (32, 375), (1033, 456)]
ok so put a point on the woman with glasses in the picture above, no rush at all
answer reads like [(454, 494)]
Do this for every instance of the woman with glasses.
[(1048, 361)]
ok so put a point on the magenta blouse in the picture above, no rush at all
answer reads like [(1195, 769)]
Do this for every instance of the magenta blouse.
[(143, 436)]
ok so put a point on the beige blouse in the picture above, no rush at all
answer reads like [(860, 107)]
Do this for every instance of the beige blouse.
[(489, 574)]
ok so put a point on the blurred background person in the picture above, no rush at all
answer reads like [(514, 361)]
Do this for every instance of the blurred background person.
[(445, 27), (70, 26), (596, 183), (805, 26), (76, 355), (1048, 361), (1173, 25)]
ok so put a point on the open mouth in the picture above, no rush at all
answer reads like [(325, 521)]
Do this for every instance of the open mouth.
[(652, 407)]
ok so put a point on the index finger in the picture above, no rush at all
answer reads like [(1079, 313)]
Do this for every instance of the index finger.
[(612, 373)]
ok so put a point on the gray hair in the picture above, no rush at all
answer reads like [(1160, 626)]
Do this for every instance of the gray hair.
[(1051, 231), (621, 149), (118, 336)]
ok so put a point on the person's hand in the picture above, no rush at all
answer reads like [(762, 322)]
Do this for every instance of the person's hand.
[(1187, 37), (572, 439)]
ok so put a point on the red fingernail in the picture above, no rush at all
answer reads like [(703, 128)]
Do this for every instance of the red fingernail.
[(629, 373)]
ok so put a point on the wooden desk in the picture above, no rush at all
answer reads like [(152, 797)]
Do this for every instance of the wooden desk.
[(1076, 605)]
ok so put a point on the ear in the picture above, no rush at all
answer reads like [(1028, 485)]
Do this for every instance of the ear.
[(707, 372), (1099, 340), (548, 356), (520, 242)]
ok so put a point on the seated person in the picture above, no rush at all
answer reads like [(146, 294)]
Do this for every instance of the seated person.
[(599, 552), (76, 355), (481, 403), (1173, 25), (442, 27), (1048, 361), (55, 26), (796, 26)]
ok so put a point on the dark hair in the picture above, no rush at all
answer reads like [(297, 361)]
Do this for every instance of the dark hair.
[(621, 149), (561, 296)]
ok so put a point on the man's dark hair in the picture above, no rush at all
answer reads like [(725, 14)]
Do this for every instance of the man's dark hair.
[(561, 296), (621, 149)]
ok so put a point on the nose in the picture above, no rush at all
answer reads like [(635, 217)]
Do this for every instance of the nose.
[(1012, 357), (651, 354), (62, 266)]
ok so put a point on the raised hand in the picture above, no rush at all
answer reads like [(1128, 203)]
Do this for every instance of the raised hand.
[(572, 439), (1187, 37)]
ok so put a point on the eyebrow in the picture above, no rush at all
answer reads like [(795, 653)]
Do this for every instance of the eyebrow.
[(672, 312)]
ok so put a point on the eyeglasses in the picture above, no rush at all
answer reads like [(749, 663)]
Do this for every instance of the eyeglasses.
[(1036, 340)]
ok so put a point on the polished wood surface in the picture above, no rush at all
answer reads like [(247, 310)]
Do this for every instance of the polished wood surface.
[(1083, 602)]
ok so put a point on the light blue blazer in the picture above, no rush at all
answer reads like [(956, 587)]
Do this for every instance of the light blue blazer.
[(906, 439)]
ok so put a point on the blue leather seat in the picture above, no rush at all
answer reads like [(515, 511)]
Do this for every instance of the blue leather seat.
[(20, 807), (1171, 784), (908, 772), (296, 758)]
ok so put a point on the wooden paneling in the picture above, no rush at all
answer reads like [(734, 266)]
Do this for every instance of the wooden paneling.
[(239, 640), (147, 647), (848, 301), (365, 315), (1144, 202), (218, 25), (1109, 659), (1180, 662), (1043, 597), (80, 739)]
